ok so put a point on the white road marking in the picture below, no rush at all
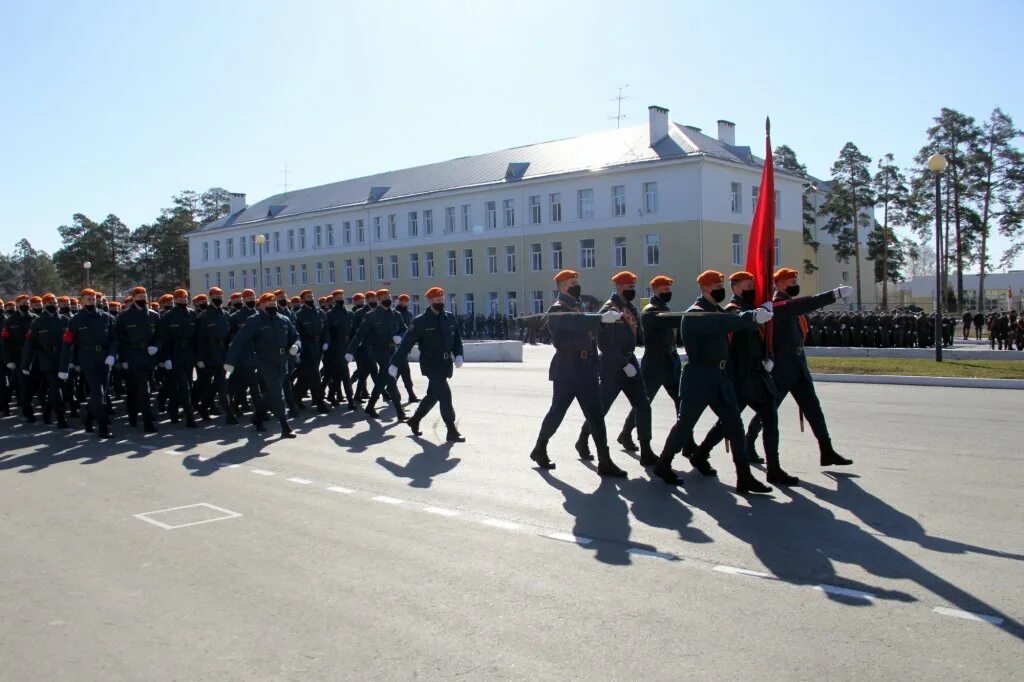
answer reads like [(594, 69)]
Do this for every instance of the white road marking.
[(569, 537), (300, 481), (262, 472), (339, 489), (440, 511), (232, 466), (733, 570), (845, 592), (652, 554), (226, 514), (498, 523), (388, 500), (967, 615)]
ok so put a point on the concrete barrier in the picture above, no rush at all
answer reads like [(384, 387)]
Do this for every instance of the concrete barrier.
[(912, 353), (485, 351), (951, 382)]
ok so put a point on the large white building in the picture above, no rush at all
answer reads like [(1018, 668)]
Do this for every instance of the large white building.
[(661, 198)]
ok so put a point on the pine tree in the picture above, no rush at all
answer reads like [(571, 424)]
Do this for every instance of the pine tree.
[(848, 206), (785, 159), (884, 248)]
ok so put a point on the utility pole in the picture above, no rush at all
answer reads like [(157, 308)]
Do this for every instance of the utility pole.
[(619, 99)]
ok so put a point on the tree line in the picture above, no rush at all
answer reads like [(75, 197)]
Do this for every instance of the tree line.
[(982, 191)]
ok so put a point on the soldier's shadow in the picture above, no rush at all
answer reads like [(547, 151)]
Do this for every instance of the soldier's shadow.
[(254, 446), (50, 448), (423, 467), (362, 441)]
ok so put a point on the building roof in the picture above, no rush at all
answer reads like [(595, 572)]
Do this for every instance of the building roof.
[(604, 149)]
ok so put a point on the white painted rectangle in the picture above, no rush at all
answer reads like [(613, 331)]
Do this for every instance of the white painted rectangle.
[(665, 556), (569, 537), (262, 472), (733, 570), (300, 481), (499, 523), (440, 511), (845, 592), (225, 514), (387, 500), (967, 615), (339, 489)]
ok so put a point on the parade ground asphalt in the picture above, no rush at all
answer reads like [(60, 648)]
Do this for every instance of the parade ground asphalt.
[(357, 551)]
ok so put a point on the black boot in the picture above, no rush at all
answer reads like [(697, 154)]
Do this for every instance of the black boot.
[(88, 423), (582, 446), (540, 455), (647, 456), (454, 436), (626, 441), (779, 477), (62, 423), (412, 396), (663, 470), (286, 431), (414, 425), (829, 457), (230, 419), (699, 460), (148, 426), (752, 455), (104, 430), (321, 408), (605, 465), (370, 411), (746, 483)]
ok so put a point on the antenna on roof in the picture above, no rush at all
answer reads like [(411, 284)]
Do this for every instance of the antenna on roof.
[(285, 171), (620, 98)]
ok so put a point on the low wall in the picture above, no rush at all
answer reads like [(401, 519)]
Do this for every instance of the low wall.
[(921, 353), (485, 351)]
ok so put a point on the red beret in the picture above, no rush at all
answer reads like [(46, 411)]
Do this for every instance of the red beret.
[(741, 276), (304, 292), (85, 292), (624, 277), (180, 293), (267, 298), (434, 292), (566, 274), (785, 273), (381, 293), (35, 299), (403, 297), (248, 293), (662, 281), (216, 291), (358, 297), (709, 277), (49, 297), (138, 290), (338, 292)]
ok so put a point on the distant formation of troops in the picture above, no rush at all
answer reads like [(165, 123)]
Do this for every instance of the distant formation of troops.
[(1005, 329)]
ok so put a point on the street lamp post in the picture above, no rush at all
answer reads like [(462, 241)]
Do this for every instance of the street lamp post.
[(88, 266), (260, 241), (937, 164)]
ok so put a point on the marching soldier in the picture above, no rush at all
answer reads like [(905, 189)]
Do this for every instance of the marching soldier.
[(91, 338), (16, 326), (138, 345), (403, 369), (363, 304), (574, 371), (620, 370), (311, 323), (339, 328), (41, 356), (212, 331), (379, 334), (244, 377), (178, 340), (271, 338), (707, 380), (439, 339)]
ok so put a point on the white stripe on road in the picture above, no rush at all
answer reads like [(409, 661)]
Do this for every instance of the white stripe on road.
[(440, 511), (262, 472), (387, 500), (652, 554), (569, 537), (232, 466), (967, 615), (733, 570), (300, 481), (339, 489), (498, 523), (844, 592)]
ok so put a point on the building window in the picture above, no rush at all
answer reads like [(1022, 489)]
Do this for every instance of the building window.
[(556, 256), (652, 250), (377, 234), (277, 242), (252, 243), (510, 259), (754, 192), (346, 232), (585, 204), (245, 279), (241, 246), (428, 259), (449, 219), (362, 269), (737, 249), (509, 206), (277, 276), (379, 262), (206, 252), (470, 303), (511, 303), (318, 237), (414, 265), (535, 210), (536, 257), (537, 301), (428, 222), (216, 250), (491, 215), (319, 274), (737, 197), (846, 277), (218, 278), (348, 269), (360, 232), (330, 235), (330, 272), (413, 226), (206, 277), (467, 261), (492, 302), (588, 255), (778, 205), (778, 250), (291, 240), (392, 226), (266, 278), (451, 302), (492, 260), (302, 239), (230, 245), (650, 197), (555, 206), (453, 266), (619, 201), (302, 273), (291, 274), (393, 262), (465, 218), (619, 244)]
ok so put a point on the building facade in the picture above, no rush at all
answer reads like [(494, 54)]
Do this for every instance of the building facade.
[(492, 229), (1003, 291)]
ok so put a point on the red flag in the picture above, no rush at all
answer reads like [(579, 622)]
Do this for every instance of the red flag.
[(761, 247)]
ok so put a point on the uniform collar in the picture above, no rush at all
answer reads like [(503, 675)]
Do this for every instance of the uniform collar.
[(706, 305)]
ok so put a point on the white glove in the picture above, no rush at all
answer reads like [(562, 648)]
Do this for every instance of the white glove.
[(10, 365), (842, 291), (151, 350), (228, 369), (324, 347), (396, 339), (109, 361), (768, 365), (630, 370), (167, 364), (25, 372), (349, 358), (75, 368), (393, 371), (761, 315), (200, 364), (294, 350), (124, 365), (63, 376), (610, 316), (458, 361), (768, 305)]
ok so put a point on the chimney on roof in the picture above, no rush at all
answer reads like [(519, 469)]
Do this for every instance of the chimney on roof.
[(236, 202), (727, 132), (658, 117)]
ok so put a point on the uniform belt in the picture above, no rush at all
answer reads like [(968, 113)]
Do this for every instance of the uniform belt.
[(447, 356), (280, 351), (722, 364), (99, 349), (799, 350), (584, 354)]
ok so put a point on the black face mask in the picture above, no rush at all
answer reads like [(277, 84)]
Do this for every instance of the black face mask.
[(181, 306), (142, 304), (386, 303), (203, 306), (90, 308), (749, 296), (37, 310), (793, 290), (372, 304), (23, 308), (217, 302), (51, 308), (629, 294), (665, 297), (357, 306), (575, 290), (65, 311), (403, 306), (438, 307), (309, 303), (250, 304), (718, 295)]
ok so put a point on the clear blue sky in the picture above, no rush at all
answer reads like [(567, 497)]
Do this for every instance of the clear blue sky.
[(112, 107)]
